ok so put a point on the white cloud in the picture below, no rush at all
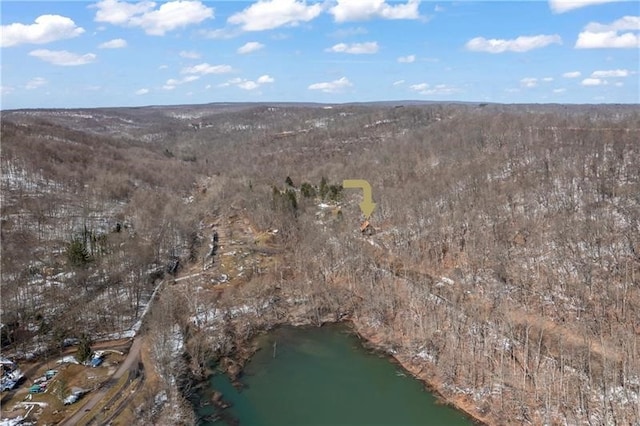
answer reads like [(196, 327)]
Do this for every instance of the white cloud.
[(245, 84), (141, 91), (607, 39), (610, 73), (369, 47), (594, 82), (519, 44), (248, 85), (419, 87), (220, 34), (530, 82), (438, 89), (349, 32), (361, 10), (120, 12), (205, 68), (163, 67), (173, 15), (263, 79), (168, 17), (572, 74), (233, 82), (618, 84), (62, 57), (442, 89), (398, 82), (249, 47), (438, 8), (334, 86), (5, 90), (34, 83), (116, 43), (187, 79), (560, 90), (407, 59), (598, 36), (561, 6), (45, 29), (173, 82), (270, 14), (189, 54), (626, 23)]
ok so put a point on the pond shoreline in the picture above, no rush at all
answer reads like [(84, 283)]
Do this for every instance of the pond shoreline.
[(427, 376), (233, 364)]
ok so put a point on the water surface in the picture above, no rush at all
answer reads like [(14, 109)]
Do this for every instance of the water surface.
[(323, 376)]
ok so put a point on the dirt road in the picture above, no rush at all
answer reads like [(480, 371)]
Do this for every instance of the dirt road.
[(130, 361)]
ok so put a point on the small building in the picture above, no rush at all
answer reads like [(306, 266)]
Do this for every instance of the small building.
[(367, 229)]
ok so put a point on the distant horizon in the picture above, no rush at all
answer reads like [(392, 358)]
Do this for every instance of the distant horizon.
[(399, 102), (112, 53)]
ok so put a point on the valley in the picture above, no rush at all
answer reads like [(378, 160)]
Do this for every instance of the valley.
[(502, 266)]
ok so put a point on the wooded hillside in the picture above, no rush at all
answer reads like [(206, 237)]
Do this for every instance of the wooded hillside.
[(506, 257)]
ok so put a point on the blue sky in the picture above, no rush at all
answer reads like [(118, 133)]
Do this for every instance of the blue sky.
[(116, 53)]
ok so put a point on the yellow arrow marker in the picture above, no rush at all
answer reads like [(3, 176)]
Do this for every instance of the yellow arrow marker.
[(367, 205)]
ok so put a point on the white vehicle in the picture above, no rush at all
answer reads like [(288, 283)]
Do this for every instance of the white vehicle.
[(71, 399), (76, 394)]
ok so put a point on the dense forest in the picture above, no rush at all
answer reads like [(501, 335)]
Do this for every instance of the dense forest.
[(505, 258)]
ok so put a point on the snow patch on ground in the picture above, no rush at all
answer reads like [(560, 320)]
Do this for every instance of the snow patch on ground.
[(176, 341), (426, 356), (69, 359), (444, 281), (126, 334), (12, 422)]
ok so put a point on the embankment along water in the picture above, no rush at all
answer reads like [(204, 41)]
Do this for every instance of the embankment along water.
[(323, 376)]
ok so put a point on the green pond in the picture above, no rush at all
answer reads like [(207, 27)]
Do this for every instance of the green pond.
[(323, 376)]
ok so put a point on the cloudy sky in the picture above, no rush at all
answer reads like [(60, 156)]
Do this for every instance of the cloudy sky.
[(117, 53)]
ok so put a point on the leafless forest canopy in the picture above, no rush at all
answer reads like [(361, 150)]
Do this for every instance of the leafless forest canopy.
[(507, 255)]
